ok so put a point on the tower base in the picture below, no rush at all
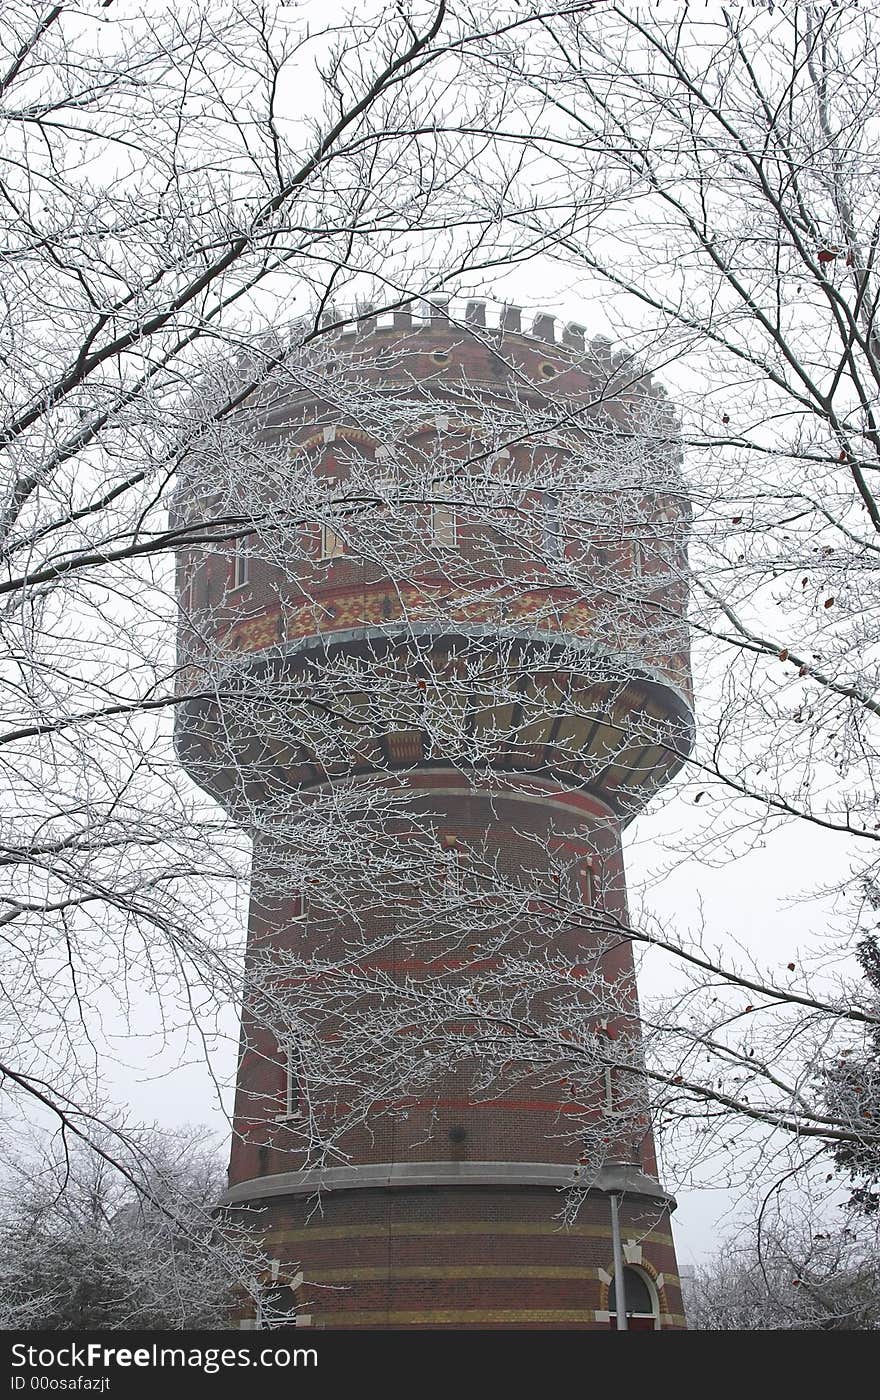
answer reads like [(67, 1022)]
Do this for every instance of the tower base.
[(462, 1246)]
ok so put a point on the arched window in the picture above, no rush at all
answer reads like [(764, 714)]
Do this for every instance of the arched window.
[(642, 1306), (276, 1300)]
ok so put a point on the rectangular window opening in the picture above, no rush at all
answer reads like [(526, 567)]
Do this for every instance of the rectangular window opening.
[(241, 566), (608, 1076), (452, 875), (586, 882), (332, 544), (187, 583), (551, 526), (575, 882), (444, 522), (454, 854), (292, 1103)]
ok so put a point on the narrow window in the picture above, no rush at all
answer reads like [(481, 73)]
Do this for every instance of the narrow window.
[(187, 583), (208, 576), (551, 526), (332, 544), (602, 552), (291, 1099), (585, 881), (609, 1090), (241, 566), (452, 874), (384, 487), (574, 880), (453, 865), (444, 523), (291, 1084)]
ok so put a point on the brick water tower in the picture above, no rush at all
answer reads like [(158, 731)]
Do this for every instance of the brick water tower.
[(534, 478)]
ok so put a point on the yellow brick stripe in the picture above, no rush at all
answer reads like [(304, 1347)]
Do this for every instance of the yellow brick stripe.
[(394, 1273), (450, 1317), (401, 1229)]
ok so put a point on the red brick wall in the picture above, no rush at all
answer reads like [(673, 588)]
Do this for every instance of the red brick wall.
[(525, 1123), (462, 1258)]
